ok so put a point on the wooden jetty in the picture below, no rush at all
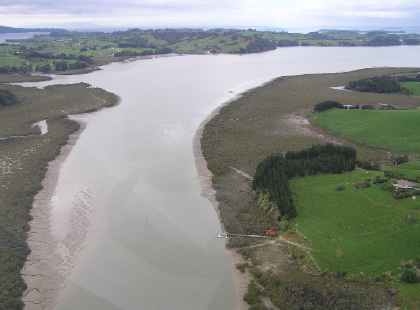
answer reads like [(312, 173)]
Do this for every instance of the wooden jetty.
[(239, 235)]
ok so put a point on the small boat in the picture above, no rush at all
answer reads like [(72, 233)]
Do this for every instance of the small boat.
[(221, 236)]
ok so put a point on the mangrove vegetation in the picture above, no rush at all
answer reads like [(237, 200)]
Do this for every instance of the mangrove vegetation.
[(344, 231), (24, 157)]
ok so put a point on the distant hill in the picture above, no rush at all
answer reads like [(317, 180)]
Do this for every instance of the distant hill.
[(4, 29)]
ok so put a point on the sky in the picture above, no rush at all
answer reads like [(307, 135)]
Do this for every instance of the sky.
[(259, 14)]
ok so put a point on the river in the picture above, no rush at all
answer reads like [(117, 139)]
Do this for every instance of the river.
[(127, 194), (19, 36)]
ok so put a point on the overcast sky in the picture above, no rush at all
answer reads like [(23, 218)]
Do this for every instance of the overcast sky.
[(279, 14)]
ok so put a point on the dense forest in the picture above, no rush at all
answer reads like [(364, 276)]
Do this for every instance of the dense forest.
[(272, 173), (383, 84), (326, 105)]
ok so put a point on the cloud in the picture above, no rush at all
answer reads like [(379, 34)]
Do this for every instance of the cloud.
[(341, 8), (274, 13)]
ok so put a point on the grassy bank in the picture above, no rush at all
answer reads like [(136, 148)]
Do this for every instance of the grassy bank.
[(413, 86), (272, 119), (397, 130), (24, 157), (286, 286)]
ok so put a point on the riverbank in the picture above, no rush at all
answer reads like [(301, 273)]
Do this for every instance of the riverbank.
[(294, 124), (24, 159), (204, 176), (51, 261), (276, 123), (46, 269)]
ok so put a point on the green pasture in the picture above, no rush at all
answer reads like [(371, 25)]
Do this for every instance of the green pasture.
[(6, 48), (397, 130), (413, 86), (208, 44), (10, 61), (410, 165), (410, 169), (356, 230)]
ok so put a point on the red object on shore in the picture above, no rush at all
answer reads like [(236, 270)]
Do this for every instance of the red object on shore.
[(271, 233)]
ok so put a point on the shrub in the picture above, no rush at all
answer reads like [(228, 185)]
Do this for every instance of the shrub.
[(252, 297), (397, 160), (7, 98), (378, 180), (368, 107), (340, 187), (341, 273), (364, 184), (368, 166), (326, 105), (417, 262), (409, 276), (284, 225), (242, 267)]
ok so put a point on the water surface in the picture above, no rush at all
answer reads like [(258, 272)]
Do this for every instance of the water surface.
[(18, 36)]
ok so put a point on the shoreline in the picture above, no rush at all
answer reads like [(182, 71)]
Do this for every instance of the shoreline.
[(204, 177), (46, 270)]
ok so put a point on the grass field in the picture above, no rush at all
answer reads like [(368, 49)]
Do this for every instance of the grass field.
[(357, 230), (410, 169), (364, 232), (395, 130), (10, 61), (413, 86), (410, 166)]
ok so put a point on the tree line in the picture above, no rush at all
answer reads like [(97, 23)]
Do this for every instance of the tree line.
[(327, 105), (258, 45), (408, 78), (158, 51), (34, 54), (14, 69), (383, 84), (272, 173)]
